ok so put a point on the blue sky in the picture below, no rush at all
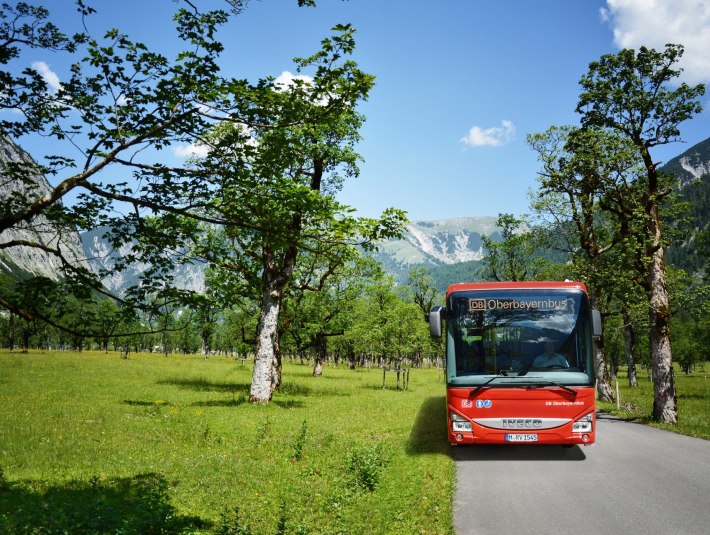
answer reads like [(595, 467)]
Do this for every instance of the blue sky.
[(460, 83)]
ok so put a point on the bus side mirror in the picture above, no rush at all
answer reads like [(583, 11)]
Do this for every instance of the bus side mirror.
[(436, 316), (596, 323)]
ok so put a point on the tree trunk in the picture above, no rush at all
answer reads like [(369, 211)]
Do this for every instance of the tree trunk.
[(604, 390), (665, 406), (630, 348), (614, 364), (11, 332), (319, 358), (206, 347), (276, 370), (266, 348), (26, 341)]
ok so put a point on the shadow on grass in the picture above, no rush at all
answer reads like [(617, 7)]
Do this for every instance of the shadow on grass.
[(429, 431), (294, 389), (289, 404), (388, 387), (692, 396), (137, 403), (139, 504), (299, 389), (204, 385), (234, 402)]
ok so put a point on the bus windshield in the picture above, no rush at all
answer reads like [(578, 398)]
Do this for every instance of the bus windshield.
[(523, 336)]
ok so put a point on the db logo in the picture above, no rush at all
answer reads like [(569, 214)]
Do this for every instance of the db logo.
[(476, 304), (483, 403)]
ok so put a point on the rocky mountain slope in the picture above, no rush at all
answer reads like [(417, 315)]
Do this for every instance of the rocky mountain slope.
[(691, 165), (101, 255), (444, 244), (22, 261), (437, 244)]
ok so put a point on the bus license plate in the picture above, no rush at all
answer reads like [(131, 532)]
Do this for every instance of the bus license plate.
[(517, 437)]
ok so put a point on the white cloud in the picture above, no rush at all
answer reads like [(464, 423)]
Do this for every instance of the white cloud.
[(48, 75), (490, 137), (192, 150), (654, 23), (286, 79)]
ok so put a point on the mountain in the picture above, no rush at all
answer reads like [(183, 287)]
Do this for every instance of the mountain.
[(691, 250), (101, 256), (450, 249), (435, 244), (20, 262), (691, 165)]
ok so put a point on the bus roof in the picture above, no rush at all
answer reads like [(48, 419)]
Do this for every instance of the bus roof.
[(515, 285)]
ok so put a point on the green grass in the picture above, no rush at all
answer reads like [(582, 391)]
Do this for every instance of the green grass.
[(693, 393), (91, 443)]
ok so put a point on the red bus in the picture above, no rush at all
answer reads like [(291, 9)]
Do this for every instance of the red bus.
[(519, 362)]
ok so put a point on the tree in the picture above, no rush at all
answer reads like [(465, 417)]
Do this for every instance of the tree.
[(120, 100), (387, 327), (511, 259), (320, 302), (121, 106), (422, 288), (628, 93), (264, 192), (579, 168), (108, 319), (282, 178)]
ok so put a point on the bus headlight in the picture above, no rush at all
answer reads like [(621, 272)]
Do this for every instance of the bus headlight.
[(583, 425), (460, 424)]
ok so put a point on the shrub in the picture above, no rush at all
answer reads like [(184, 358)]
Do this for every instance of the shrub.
[(365, 465)]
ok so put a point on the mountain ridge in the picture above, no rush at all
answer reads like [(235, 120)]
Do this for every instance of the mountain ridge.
[(693, 164), (453, 246)]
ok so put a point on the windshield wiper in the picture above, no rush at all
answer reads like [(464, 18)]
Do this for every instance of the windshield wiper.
[(554, 383), (525, 370), (485, 384), (536, 383)]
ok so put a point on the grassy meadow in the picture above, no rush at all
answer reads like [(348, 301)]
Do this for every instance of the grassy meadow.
[(94, 443), (692, 391)]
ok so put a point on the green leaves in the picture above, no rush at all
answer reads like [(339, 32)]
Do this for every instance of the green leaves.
[(629, 92), (511, 258)]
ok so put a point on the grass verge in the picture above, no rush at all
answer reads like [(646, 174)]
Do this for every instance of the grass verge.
[(693, 393), (93, 443)]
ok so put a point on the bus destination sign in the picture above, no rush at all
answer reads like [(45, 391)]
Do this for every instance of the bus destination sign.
[(477, 305)]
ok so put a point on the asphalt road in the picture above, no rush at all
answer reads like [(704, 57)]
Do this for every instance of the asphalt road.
[(635, 479)]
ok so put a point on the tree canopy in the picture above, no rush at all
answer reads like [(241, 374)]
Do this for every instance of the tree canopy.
[(265, 190)]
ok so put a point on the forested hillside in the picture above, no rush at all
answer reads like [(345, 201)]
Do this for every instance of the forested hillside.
[(693, 247), (692, 164)]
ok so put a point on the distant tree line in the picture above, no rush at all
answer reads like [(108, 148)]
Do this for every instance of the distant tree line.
[(365, 321), (286, 272)]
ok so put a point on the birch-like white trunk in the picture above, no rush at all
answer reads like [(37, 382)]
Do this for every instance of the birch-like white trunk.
[(266, 340), (604, 391), (319, 358), (665, 406)]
